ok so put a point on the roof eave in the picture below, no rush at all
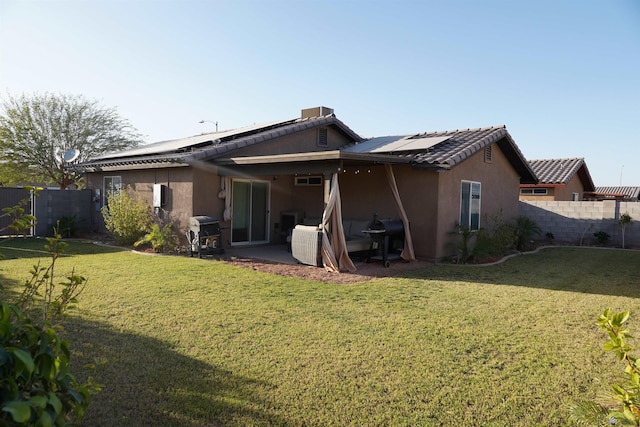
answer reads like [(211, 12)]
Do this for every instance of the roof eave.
[(313, 156)]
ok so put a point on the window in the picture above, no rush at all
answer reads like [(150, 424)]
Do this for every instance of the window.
[(112, 184), (470, 205), (534, 191), (575, 197), (323, 139), (308, 180)]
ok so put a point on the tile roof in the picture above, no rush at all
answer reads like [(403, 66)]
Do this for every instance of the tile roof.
[(561, 171), (627, 191), (211, 145), (453, 147)]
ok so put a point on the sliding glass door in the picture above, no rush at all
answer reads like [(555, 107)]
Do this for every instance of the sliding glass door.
[(250, 208)]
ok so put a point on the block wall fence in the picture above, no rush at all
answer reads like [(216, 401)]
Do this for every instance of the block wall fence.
[(575, 222)]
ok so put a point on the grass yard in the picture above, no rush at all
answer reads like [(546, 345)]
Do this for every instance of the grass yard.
[(194, 342)]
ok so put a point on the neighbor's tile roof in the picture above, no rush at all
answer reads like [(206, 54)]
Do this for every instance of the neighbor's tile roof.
[(561, 171), (453, 147), (629, 192)]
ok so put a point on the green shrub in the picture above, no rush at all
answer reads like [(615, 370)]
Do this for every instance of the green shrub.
[(127, 216), (525, 231), (36, 387), (66, 226), (494, 241), (625, 409), (161, 239), (602, 237)]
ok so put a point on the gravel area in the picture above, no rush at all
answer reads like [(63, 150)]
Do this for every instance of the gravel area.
[(365, 271)]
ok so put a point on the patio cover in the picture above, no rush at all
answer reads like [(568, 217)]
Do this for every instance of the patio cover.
[(335, 256)]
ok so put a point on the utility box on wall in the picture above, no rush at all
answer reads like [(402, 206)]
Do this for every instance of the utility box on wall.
[(159, 195)]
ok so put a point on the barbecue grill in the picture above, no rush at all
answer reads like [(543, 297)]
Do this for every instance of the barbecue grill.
[(204, 236), (388, 238)]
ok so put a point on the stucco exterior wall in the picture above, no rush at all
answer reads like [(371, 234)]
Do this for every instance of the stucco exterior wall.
[(540, 197), (558, 192), (365, 192), (179, 191), (500, 186), (573, 186), (304, 141)]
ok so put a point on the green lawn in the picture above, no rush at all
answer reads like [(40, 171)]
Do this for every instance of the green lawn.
[(194, 342)]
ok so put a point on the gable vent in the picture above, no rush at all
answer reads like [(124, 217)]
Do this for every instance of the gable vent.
[(323, 138), (488, 155)]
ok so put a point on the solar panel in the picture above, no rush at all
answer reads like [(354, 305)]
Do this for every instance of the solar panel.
[(410, 144)]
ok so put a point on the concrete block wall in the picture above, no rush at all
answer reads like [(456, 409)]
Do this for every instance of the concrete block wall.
[(575, 222), (51, 205)]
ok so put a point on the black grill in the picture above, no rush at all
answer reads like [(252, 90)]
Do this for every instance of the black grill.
[(204, 236), (388, 237)]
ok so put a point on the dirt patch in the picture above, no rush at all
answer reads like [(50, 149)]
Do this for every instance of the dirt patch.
[(365, 271)]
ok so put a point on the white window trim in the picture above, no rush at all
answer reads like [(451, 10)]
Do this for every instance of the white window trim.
[(479, 203)]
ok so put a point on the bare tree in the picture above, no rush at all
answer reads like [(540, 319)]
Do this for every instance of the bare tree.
[(36, 132)]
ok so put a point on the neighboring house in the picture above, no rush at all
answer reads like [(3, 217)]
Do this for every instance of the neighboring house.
[(558, 179), (622, 193), (262, 180)]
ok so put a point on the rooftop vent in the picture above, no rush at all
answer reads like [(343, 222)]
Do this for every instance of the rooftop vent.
[(316, 112)]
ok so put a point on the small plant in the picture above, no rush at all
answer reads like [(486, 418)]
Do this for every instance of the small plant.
[(602, 237), (626, 394), (36, 387), (550, 237), (39, 289), (66, 226), (161, 239), (526, 230), (127, 216), (462, 240), (624, 220)]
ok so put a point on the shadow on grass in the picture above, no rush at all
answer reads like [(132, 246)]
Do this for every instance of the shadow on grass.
[(574, 269), (33, 247), (145, 382)]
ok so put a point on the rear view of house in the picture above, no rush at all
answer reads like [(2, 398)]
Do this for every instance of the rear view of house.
[(262, 180)]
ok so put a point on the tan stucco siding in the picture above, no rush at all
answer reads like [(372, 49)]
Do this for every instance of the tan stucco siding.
[(365, 192), (499, 193), (300, 142), (418, 191), (179, 190), (573, 186), (540, 197)]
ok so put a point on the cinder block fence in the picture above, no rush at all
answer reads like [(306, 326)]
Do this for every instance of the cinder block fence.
[(575, 222)]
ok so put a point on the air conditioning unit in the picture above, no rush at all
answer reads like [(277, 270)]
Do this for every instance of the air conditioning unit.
[(316, 112)]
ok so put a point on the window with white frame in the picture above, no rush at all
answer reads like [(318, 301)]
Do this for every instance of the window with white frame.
[(111, 185), (534, 191), (470, 205)]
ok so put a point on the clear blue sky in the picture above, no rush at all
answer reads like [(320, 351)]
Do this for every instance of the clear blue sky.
[(562, 75)]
